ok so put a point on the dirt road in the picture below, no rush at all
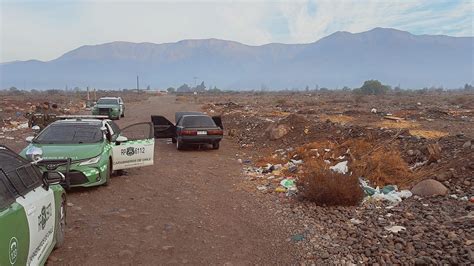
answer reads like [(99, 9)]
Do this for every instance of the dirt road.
[(186, 208)]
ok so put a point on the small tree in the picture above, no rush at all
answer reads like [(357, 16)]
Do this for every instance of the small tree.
[(184, 88), (373, 87), (171, 90)]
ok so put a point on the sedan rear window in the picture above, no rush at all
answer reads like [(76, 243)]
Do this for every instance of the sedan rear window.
[(198, 121), (70, 134)]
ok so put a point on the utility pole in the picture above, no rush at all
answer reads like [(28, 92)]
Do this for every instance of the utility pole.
[(138, 85)]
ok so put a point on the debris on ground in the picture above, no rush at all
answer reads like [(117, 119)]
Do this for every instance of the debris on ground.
[(391, 143)]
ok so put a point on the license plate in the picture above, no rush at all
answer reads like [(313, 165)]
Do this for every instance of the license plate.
[(202, 132)]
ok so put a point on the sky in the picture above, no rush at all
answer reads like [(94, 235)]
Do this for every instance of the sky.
[(44, 30)]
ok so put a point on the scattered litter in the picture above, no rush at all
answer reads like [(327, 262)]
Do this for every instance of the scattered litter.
[(340, 168), (297, 237), (290, 186), (288, 183), (262, 188), (388, 193), (395, 228), (280, 189)]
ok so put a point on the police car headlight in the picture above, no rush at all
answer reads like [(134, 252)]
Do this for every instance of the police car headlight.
[(91, 161), (34, 154)]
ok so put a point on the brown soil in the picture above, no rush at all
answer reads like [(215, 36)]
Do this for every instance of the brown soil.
[(186, 208)]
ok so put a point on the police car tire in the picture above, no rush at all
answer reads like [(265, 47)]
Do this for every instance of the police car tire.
[(61, 224), (215, 145), (109, 173), (123, 115)]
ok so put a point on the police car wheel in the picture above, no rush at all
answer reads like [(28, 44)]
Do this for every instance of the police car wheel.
[(108, 174), (215, 145), (61, 224)]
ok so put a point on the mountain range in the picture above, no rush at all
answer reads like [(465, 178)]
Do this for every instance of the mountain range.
[(341, 59)]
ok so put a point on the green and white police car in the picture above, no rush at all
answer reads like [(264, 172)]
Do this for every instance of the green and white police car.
[(94, 147), (32, 211), (113, 107)]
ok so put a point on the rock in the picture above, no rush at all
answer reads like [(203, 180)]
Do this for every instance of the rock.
[(428, 188), (467, 144), (324, 255), (443, 176), (278, 132), (470, 255)]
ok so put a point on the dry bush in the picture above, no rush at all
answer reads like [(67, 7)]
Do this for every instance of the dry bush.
[(262, 162), (383, 167), (380, 163), (325, 187)]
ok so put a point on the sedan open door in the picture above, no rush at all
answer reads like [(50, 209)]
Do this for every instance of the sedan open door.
[(163, 127)]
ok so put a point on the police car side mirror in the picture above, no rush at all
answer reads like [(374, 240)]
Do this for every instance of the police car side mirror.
[(121, 139), (53, 177), (29, 139)]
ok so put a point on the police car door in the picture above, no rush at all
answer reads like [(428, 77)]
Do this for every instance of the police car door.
[(14, 237), (38, 204), (139, 148)]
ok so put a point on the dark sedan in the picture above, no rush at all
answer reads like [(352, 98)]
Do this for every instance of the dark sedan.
[(191, 128)]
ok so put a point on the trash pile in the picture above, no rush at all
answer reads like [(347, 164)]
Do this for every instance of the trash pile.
[(330, 170), (387, 193), (274, 178)]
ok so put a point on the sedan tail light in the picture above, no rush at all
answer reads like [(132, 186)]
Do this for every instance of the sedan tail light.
[(188, 132), (215, 132)]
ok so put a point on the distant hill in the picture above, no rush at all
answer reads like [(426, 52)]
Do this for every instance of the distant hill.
[(340, 59)]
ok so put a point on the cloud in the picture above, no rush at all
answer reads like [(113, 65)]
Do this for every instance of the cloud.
[(46, 29), (312, 20)]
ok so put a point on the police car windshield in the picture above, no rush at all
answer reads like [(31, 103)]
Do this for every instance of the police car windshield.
[(198, 121), (70, 134), (107, 101)]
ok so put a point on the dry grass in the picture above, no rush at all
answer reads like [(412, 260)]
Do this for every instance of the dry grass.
[(380, 163), (277, 114), (383, 167), (397, 124), (273, 159), (324, 187), (428, 134)]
